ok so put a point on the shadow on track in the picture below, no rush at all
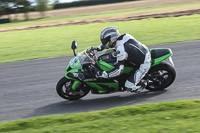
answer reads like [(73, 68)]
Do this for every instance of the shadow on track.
[(86, 105)]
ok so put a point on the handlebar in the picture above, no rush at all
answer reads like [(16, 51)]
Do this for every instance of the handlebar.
[(91, 53)]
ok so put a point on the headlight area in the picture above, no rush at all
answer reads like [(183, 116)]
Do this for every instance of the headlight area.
[(76, 75)]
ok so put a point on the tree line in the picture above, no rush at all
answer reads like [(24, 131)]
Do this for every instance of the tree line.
[(15, 7), (8, 7), (86, 3)]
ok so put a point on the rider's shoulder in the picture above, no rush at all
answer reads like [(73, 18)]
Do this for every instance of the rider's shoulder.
[(121, 37), (125, 36)]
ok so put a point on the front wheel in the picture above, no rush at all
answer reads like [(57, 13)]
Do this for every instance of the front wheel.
[(64, 89), (160, 77)]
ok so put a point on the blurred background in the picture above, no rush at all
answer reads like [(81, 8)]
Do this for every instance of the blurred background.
[(46, 28), (34, 29), (17, 10)]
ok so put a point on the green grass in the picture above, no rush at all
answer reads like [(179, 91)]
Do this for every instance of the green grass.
[(164, 117), (97, 15), (56, 41)]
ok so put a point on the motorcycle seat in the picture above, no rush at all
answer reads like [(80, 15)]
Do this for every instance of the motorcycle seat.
[(156, 53)]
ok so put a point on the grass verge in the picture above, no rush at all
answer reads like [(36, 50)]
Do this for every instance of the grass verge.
[(56, 41), (164, 117)]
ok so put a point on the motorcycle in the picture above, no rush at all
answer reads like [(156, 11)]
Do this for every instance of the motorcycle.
[(80, 77)]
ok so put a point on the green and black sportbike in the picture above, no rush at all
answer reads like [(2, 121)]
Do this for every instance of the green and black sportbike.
[(80, 78)]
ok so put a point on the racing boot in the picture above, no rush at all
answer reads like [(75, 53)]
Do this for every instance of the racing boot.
[(142, 85), (137, 89)]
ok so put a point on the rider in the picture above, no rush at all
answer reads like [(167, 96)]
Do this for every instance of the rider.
[(128, 49)]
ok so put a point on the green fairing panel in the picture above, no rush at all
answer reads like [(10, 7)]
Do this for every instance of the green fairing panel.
[(69, 77), (94, 85), (105, 66), (114, 85), (67, 69), (160, 59), (70, 71), (127, 69), (100, 89)]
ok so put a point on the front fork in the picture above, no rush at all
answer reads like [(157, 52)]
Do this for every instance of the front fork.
[(76, 85), (76, 76)]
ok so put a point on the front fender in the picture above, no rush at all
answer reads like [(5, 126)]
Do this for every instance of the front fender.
[(73, 74)]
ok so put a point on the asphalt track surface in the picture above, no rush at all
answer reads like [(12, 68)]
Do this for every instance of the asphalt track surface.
[(27, 88)]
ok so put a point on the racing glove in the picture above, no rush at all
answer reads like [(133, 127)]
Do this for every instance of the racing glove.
[(101, 74)]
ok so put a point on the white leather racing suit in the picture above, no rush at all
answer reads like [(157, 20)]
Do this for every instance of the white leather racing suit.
[(134, 52)]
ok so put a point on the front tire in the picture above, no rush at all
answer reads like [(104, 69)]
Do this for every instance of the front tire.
[(64, 89), (160, 77)]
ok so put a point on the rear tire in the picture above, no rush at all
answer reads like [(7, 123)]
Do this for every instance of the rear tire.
[(162, 76), (64, 89)]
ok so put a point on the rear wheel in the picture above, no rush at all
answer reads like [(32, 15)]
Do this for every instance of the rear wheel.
[(160, 77), (64, 89)]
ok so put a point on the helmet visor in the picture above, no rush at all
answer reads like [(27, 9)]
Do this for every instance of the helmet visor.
[(105, 40), (107, 46)]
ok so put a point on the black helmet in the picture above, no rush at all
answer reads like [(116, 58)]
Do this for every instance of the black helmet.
[(108, 36)]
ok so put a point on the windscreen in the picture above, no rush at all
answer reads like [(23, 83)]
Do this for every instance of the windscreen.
[(84, 58)]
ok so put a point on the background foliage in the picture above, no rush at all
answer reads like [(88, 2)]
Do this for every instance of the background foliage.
[(86, 3)]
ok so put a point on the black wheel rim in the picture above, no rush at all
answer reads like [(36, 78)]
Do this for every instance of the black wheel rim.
[(68, 92), (159, 79)]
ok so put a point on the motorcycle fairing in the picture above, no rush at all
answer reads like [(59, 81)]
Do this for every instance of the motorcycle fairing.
[(74, 74), (103, 88), (107, 67), (158, 55)]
